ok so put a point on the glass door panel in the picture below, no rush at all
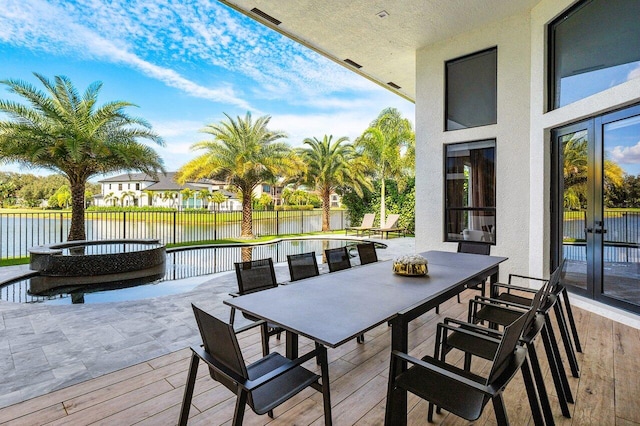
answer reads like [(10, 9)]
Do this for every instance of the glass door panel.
[(620, 230), (573, 150)]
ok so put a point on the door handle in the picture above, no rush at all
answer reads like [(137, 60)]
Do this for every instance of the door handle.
[(588, 230), (600, 231)]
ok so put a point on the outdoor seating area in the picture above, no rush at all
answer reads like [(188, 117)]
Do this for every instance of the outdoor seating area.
[(150, 393), (475, 360)]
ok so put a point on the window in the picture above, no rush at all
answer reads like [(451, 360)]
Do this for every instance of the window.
[(593, 47), (470, 191), (137, 187), (119, 187), (471, 90), (109, 186)]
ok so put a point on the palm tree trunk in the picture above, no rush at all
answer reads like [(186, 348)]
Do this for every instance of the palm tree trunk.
[(76, 231), (382, 202), (326, 210), (247, 219)]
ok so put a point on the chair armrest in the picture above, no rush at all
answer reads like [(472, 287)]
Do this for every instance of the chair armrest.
[(234, 294), (429, 363), (526, 277), (496, 334), (249, 326), (493, 302), (513, 287), (481, 335)]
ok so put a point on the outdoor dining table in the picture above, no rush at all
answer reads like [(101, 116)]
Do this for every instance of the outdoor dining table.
[(332, 309)]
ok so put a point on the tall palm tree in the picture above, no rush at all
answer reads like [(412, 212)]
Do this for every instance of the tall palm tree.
[(243, 153), (330, 164), (388, 149), (64, 132)]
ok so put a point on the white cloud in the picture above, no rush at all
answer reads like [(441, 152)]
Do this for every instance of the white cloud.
[(626, 154), (155, 36), (38, 25)]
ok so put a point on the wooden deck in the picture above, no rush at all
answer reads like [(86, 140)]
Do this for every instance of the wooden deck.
[(150, 393)]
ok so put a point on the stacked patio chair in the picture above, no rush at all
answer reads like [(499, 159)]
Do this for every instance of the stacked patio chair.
[(302, 266), (493, 311), (337, 259), (365, 226), (262, 385), (475, 340), (367, 253), (460, 392), (253, 276), (560, 294)]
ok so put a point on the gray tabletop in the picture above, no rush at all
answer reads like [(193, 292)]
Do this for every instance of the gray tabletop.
[(334, 308)]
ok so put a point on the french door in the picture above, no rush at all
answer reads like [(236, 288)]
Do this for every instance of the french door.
[(596, 206)]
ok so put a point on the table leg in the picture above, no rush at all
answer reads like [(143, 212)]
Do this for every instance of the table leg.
[(399, 342), (326, 394), (493, 290), (292, 345)]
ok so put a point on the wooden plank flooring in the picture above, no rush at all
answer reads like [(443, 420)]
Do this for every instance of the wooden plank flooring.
[(150, 393)]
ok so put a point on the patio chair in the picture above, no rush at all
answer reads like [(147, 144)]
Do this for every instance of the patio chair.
[(458, 391), (302, 265), (337, 259), (475, 340), (262, 385), (253, 276), (391, 225), (494, 312), (559, 292), (365, 226), (367, 253)]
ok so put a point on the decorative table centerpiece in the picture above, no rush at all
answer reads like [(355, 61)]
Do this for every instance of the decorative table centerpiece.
[(410, 265)]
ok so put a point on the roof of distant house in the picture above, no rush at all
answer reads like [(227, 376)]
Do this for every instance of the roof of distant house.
[(163, 182)]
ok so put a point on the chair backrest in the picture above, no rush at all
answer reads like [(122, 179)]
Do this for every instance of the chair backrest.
[(555, 286), (367, 253), (255, 275), (502, 362), (220, 342), (337, 259), (367, 220), (474, 247), (302, 265), (391, 222)]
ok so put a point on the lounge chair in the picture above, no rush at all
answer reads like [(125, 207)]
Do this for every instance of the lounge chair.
[(365, 226), (391, 225)]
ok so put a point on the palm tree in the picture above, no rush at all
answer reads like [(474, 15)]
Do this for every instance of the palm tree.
[(67, 133), (187, 193), (330, 165), (218, 198), (388, 149), (205, 197), (243, 153)]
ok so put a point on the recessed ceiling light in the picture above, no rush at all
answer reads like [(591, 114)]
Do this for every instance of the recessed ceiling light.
[(382, 14)]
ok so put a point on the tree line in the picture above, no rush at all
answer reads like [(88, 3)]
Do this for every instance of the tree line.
[(68, 133)]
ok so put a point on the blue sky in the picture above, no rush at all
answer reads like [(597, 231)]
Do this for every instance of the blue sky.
[(185, 64)]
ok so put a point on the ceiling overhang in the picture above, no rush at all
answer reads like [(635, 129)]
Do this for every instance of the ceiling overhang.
[(377, 39)]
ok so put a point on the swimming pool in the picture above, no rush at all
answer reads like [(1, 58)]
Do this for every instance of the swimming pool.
[(182, 264)]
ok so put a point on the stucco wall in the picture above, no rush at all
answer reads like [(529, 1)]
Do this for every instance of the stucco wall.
[(512, 37)]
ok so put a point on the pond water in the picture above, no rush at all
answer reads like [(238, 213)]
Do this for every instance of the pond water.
[(182, 265)]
